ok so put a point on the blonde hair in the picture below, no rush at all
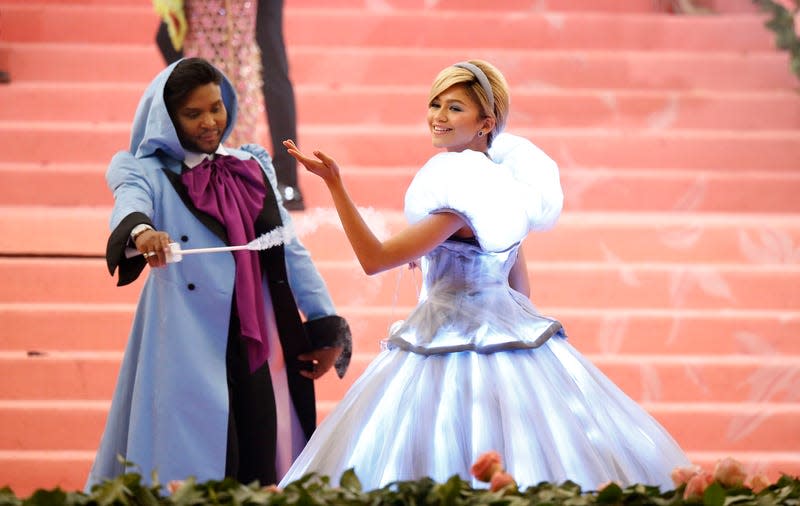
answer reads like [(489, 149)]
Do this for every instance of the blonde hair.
[(454, 75)]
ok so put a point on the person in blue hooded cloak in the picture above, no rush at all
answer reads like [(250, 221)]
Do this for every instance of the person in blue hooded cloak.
[(217, 379)]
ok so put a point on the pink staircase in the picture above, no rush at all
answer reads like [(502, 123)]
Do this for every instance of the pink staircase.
[(675, 266)]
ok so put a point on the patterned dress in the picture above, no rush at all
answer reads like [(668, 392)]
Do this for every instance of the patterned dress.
[(223, 32)]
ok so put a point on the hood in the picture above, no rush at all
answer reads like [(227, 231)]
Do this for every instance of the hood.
[(152, 126)]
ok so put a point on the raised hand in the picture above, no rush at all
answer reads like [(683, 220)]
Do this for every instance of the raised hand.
[(323, 165)]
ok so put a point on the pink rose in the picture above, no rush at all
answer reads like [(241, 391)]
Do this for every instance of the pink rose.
[(681, 475), (759, 482), (730, 472), (174, 485), (697, 484), (501, 480), (487, 465)]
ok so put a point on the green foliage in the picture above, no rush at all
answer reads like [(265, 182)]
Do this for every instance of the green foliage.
[(315, 490), (782, 22)]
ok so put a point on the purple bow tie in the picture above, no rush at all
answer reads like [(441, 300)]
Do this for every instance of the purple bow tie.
[(232, 191)]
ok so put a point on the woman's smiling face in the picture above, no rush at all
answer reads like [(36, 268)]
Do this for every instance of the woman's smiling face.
[(455, 119)]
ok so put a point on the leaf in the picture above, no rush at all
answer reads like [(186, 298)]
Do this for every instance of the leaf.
[(316, 490), (111, 492), (733, 499), (54, 497), (714, 495), (449, 491), (7, 497), (349, 481), (611, 494), (145, 497), (188, 494)]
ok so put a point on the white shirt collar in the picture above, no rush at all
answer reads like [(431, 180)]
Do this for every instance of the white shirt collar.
[(193, 158)]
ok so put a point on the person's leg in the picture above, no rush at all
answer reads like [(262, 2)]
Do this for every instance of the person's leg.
[(252, 417), (168, 52), (279, 100)]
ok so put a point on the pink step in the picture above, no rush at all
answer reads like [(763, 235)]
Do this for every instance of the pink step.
[(585, 190), (336, 67), (69, 186), (671, 149), (731, 427), (49, 101), (692, 191), (77, 327), (60, 425), (683, 238), (416, 28), (108, 25), (82, 231), (531, 107), (560, 108), (87, 3), (62, 142), (611, 286), (591, 285), (528, 6), (553, 69), (677, 378), (337, 27), (104, 327), (690, 379), (720, 333), (27, 471), (384, 188), (42, 426)]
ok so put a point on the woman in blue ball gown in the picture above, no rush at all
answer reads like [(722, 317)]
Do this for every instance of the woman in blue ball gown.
[(475, 367)]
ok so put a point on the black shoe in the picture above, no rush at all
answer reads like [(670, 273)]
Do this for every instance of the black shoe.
[(5, 77), (292, 198)]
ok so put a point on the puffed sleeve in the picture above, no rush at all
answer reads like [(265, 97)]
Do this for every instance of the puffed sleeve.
[(502, 197), (471, 185), (534, 171)]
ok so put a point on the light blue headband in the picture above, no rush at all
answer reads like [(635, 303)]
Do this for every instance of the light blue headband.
[(482, 80)]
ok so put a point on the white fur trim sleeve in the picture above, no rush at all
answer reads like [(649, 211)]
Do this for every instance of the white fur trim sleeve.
[(470, 184), (537, 172), (502, 200)]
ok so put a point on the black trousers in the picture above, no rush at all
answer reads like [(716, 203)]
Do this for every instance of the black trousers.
[(252, 415), (279, 100)]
